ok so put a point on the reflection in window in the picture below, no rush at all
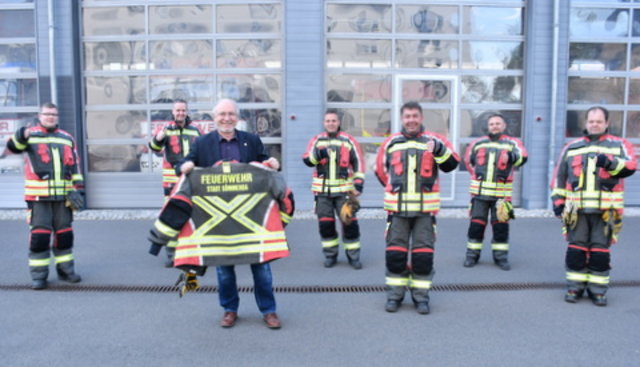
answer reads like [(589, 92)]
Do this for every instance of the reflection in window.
[(117, 158), (249, 88), (438, 121), (10, 122), (429, 54), (192, 89), (575, 123), (436, 91), (18, 92), (366, 122), (116, 125), (599, 22), (17, 57), (473, 123), (634, 91), (358, 88), (359, 53), (248, 18), (120, 21), (480, 20), (180, 19), (358, 18), (427, 19), (492, 55), (128, 55), (187, 54), (274, 150), (263, 122), (597, 56), (500, 89), (254, 53), (596, 90), (633, 125), (16, 23), (115, 90)]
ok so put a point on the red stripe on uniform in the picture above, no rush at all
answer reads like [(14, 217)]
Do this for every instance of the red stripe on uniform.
[(430, 250), (327, 219), (578, 247), (396, 248)]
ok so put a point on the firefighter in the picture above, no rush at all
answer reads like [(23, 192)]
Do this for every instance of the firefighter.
[(407, 165), (587, 193), (229, 214), (54, 186), (491, 161), (174, 139), (339, 173)]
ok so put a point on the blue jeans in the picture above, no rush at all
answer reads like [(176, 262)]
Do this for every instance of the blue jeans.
[(228, 289)]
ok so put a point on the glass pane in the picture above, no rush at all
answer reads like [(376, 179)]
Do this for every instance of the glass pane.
[(359, 53), (255, 53), (18, 92), (248, 18), (193, 89), (356, 18), (264, 122), (634, 91), (180, 19), (481, 20), (125, 20), (203, 119), (635, 26), (575, 123), (437, 121), (17, 58), (16, 23), (427, 19), (188, 54), (598, 56), (498, 89), (370, 150), (366, 122), (358, 88), (492, 55), (116, 125), (430, 54), (599, 22), (596, 90), (115, 90), (128, 55), (274, 150), (116, 158), (436, 91), (473, 123), (252, 88), (635, 57), (10, 122), (462, 148)]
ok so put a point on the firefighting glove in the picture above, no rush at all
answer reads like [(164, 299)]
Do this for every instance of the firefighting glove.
[(187, 282), (557, 210), (570, 215), (612, 222), (358, 185), (156, 242), (504, 210), (603, 161), (438, 148), (349, 209), (75, 200)]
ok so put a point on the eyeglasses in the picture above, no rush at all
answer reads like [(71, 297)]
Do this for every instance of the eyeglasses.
[(49, 114)]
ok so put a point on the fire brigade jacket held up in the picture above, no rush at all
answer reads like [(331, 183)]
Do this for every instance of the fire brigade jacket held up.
[(176, 145), (231, 213), (339, 163), (491, 161), (590, 171), (52, 167), (407, 166)]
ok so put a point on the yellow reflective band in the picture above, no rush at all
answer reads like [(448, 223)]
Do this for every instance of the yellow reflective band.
[(63, 258), (396, 282), (332, 166), (172, 244), (50, 140), (359, 175), (351, 245), (39, 262), (474, 245), (590, 174), (421, 284), (492, 144), (486, 188), (214, 249), (411, 173), (559, 192), (411, 144), (154, 146), (18, 144), (165, 229), (234, 239), (500, 246), (598, 279), (594, 149), (490, 167), (57, 171), (618, 168), (443, 158), (77, 177), (330, 243), (284, 217), (577, 277), (185, 146)]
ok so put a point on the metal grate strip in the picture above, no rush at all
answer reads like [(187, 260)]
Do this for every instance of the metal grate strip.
[(306, 288)]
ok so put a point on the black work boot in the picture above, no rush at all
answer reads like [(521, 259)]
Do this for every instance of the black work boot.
[(423, 308), (500, 258), (392, 305), (471, 258), (572, 296), (329, 262)]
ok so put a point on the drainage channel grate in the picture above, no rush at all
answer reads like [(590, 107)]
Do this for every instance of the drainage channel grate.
[(306, 288)]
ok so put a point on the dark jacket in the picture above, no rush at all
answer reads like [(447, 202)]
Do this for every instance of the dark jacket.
[(205, 151)]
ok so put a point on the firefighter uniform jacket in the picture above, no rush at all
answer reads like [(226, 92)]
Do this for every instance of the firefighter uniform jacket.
[(339, 163), (231, 213), (176, 145), (52, 167), (591, 187), (491, 161), (407, 166)]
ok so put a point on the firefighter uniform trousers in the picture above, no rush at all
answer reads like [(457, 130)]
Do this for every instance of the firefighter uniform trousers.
[(327, 209), (588, 257), (409, 256), (47, 218), (480, 209)]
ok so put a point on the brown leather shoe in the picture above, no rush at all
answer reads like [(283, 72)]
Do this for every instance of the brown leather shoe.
[(229, 319), (271, 319)]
